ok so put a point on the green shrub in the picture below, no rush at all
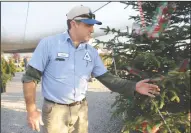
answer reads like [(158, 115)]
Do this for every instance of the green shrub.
[(19, 69), (12, 67), (5, 73)]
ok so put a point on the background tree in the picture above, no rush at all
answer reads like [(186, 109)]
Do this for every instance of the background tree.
[(12, 67), (5, 74), (165, 59)]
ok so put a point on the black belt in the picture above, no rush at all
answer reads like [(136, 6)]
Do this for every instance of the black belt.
[(71, 104)]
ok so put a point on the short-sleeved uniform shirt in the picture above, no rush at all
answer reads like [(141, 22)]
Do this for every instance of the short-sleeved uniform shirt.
[(65, 69)]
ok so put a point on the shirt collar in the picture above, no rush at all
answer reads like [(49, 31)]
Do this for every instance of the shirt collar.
[(68, 39), (67, 36)]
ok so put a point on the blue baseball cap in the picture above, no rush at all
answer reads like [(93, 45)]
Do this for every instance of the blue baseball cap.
[(82, 14)]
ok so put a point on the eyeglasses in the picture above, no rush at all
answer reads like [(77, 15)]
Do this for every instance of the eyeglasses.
[(90, 16)]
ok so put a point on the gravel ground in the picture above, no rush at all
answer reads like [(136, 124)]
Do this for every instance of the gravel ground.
[(13, 114)]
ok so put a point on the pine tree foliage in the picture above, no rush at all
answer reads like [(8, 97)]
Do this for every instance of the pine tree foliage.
[(163, 59)]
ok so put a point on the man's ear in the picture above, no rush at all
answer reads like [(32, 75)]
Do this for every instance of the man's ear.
[(72, 23)]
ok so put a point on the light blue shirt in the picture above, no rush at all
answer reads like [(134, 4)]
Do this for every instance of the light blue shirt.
[(66, 69)]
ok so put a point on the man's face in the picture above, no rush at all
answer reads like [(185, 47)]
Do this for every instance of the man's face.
[(83, 31)]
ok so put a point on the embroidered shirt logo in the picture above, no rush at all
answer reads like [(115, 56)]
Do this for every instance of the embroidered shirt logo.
[(87, 57)]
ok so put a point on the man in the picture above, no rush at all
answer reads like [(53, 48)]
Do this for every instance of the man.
[(65, 62), (25, 62)]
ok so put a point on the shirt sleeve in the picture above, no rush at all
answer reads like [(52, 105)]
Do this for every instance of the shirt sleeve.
[(40, 56), (31, 74), (99, 67), (117, 84)]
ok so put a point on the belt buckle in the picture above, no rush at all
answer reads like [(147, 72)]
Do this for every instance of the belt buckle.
[(73, 104), (76, 103)]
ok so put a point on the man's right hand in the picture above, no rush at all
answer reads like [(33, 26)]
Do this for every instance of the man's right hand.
[(145, 88), (34, 119)]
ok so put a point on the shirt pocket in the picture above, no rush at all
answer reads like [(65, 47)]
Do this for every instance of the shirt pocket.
[(84, 69), (60, 67)]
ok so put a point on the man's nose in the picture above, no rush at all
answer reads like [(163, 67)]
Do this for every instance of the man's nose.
[(92, 29)]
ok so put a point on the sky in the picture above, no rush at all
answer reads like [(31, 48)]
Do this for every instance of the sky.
[(47, 18)]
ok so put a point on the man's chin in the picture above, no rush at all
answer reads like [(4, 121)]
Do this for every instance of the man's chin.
[(87, 40)]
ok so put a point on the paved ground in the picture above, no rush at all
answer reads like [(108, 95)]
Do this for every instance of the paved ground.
[(13, 114)]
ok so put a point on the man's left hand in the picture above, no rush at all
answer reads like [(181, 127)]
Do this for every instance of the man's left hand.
[(145, 88)]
